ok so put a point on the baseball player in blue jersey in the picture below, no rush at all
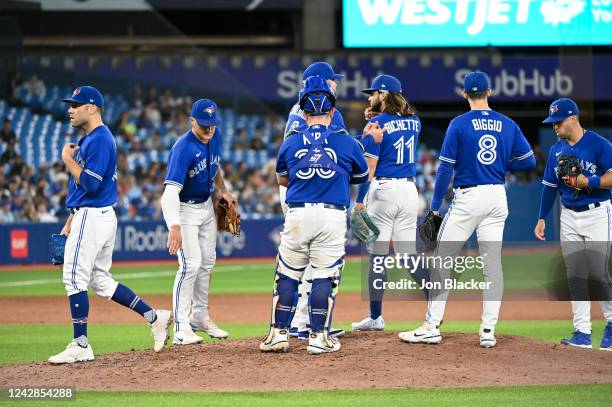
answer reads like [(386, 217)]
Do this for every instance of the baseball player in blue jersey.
[(317, 164), (392, 197), (586, 213), (480, 147), (193, 175), (92, 226), (300, 319)]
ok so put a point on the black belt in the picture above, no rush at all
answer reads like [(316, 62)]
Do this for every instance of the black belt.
[(74, 210), (584, 207), (325, 205), (411, 179), (195, 201)]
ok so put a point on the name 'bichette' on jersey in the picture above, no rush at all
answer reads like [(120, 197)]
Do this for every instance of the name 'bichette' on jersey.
[(296, 119), (396, 154), (97, 155), (595, 155), (193, 165), (316, 185), (480, 144)]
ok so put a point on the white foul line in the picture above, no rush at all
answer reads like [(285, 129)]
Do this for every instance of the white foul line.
[(127, 276)]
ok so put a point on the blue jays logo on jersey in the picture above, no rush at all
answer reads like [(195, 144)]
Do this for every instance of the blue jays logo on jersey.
[(201, 166), (210, 110)]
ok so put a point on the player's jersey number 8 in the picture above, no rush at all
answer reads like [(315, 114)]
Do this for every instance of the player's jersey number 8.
[(487, 154)]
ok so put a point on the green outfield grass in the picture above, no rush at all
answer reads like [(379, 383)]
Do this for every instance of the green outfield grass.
[(533, 396), (26, 343), (521, 272)]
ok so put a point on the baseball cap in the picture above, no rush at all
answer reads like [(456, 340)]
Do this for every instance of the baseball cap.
[(476, 81), (205, 112), (384, 83), (316, 98), (322, 69), (561, 109), (86, 95)]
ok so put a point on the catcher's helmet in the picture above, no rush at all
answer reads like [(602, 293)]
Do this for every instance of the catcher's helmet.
[(316, 97)]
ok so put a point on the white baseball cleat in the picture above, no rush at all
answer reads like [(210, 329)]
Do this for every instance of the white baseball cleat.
[(186, 337), (426, 333), (210, 328), (159, 329), (276, 341), (369, 324), (73, 353), (487, 338), (320, 342)]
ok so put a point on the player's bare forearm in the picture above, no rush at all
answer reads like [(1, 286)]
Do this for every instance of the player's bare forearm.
[(66, 229), (282, 180), (220, 182), (74, 169), (372, 162), (606, 181)]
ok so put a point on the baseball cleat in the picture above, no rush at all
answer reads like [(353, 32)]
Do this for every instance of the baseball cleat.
[(336, 332), (73, 353), (369, 324), (210, 328), (578, 340), (606, 341), (320, 342), (276, 341), (159, 329), (426, 333), (487, 338), (186, 337)]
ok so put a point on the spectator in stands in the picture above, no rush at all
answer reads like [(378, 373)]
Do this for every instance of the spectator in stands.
[(13, 82), (9, 155), (257, 143), (43, 214), (36, 87), (7, 135), (6, 216), (154, 142), (151, 95), (18, 167), (242, 142)]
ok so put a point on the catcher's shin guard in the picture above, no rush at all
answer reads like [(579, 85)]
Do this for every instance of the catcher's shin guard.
[(322, 300), (283, 293)]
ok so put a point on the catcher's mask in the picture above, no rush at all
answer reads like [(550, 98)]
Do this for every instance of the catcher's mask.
[(316, 97)]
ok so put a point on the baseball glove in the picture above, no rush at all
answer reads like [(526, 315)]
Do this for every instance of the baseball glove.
[(428, 230), (363, 227), (57, 243), (568, 169), (228, 218)]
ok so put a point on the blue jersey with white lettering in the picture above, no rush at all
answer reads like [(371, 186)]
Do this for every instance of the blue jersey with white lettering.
[(595, 155), (480, 145), (319, 185), (296, 119), (396, 154), (97, 156), (193, 165)]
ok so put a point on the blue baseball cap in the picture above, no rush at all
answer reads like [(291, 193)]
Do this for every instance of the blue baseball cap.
[(561, 109), (205, 112), (322, 69), (384, 83), (475, 82), (86, 95)]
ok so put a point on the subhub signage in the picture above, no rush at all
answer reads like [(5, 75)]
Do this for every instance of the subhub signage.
[(444, 23)]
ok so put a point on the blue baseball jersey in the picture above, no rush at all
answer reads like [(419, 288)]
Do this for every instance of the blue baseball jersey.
[(296, 119), (595, 155), (97, 156), (480, 145), (396, 154), (193, 165), (318, 185)]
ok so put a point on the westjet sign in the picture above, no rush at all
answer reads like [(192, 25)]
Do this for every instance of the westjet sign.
[(444, 23)]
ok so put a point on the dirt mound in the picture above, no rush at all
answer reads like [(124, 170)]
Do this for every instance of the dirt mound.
[(367, 360)]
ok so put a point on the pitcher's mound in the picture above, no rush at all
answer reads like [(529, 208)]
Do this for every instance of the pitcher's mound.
[(367, 360)]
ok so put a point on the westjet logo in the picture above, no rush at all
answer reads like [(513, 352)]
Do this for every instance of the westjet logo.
[(475, 15)]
